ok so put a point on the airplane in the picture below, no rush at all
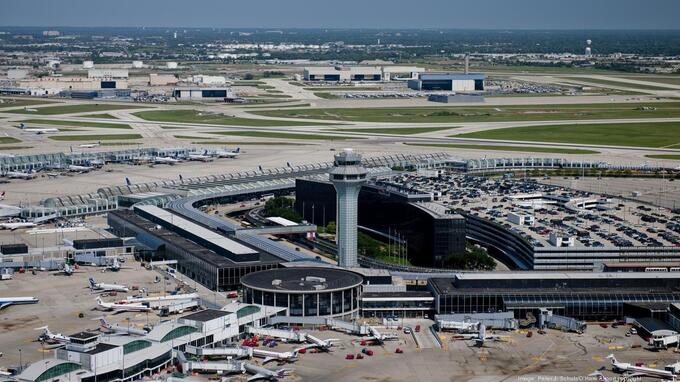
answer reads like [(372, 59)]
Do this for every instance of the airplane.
[(121, 307), (47, 336), (7, 301), (165, 160), (323, 345), (16, 225), (289, 356), (172, 297), (260, 373), (201, 157), (90, 145), (38, 131), (114, 266), (20, 174), (120, 329), (2, 195), (378, 337), (67, 270), (80, 169), (228, 153), (639, 371), (107, 287)]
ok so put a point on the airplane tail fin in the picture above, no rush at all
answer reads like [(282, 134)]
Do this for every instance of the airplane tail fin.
[(238, 149), (92, 282), (127, 181), (612, 358), (180, 178), (22, 126)]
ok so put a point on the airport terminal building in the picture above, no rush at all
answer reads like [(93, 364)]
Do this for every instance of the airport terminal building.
[(448, 82)]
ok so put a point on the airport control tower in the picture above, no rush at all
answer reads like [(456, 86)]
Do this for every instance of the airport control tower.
[(347, 176)]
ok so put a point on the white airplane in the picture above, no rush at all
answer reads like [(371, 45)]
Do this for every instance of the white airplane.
[(7, 301), (320, 344), (201, 157), (260, 373), (81, 169), (16, 225), (378, 337), (289, 356), (121, 307), (47, 335), (165, 160), (227, 153), (114, 266), (173, 297), (66, 270), (639, 371), (120, 329), (460, 327), (107, 287), (20, 174), (38, 131), (90, 145)]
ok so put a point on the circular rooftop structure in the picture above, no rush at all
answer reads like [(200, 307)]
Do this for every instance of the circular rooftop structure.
[(291, 280), (305, 291)]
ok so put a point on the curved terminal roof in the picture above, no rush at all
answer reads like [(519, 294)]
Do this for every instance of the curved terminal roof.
[(303, 279)]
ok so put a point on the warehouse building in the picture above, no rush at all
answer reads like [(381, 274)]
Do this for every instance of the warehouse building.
[(206, 94), (360, 73), (448, 82), (306, 291)]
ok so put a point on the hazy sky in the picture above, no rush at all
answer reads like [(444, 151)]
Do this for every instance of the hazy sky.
[(482, 14)]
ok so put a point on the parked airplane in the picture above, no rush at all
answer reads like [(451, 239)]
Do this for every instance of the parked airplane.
[(174, 298), (30, 174), (81, 169), (201, 157), (66, 270), (90, 145), (2, 195), (460, 327), (639, 371), (7, 301), (120, 329), (47, 335), (165, 160), (320, 344), (260, 373), (38, 131), (227, 153), (16, 225), (378, 337), (121, 307), (106, 287), (289, 356)]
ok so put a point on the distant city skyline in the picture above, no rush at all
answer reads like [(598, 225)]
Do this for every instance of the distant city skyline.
[(480, 14)]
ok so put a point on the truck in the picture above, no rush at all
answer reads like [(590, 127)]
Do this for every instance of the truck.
[(178, 308)]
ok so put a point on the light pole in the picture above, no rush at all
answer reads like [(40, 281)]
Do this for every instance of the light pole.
[(21, 365)]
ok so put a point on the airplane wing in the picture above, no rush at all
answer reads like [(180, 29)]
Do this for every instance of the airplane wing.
[(269, 359), (3, 306), (257, 377)]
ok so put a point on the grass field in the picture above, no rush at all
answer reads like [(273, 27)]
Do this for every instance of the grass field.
[(102, 125), (5, 148), (342, 88), (94, 137), (69, 109), (204, 141), (398, 130), (5, 140), (625, 134), (664, 156), (326, 95), (526, 149), (17, 102), (274, 106), (615, 83), (100, 116), (267, 134), (485, 113), (192, 116)]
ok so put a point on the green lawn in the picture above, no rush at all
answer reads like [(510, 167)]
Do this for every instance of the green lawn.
[(664, 156), (94, 137), (326, 95), (662, 80), (5, 140), (266, 106), (100, 116), (192, 116), (267, 134), (399, 130), (17, 102), (615, 83), (5, 148), (460, 114), (69, 109), (527, 149), (103, 125), (647, 134)]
